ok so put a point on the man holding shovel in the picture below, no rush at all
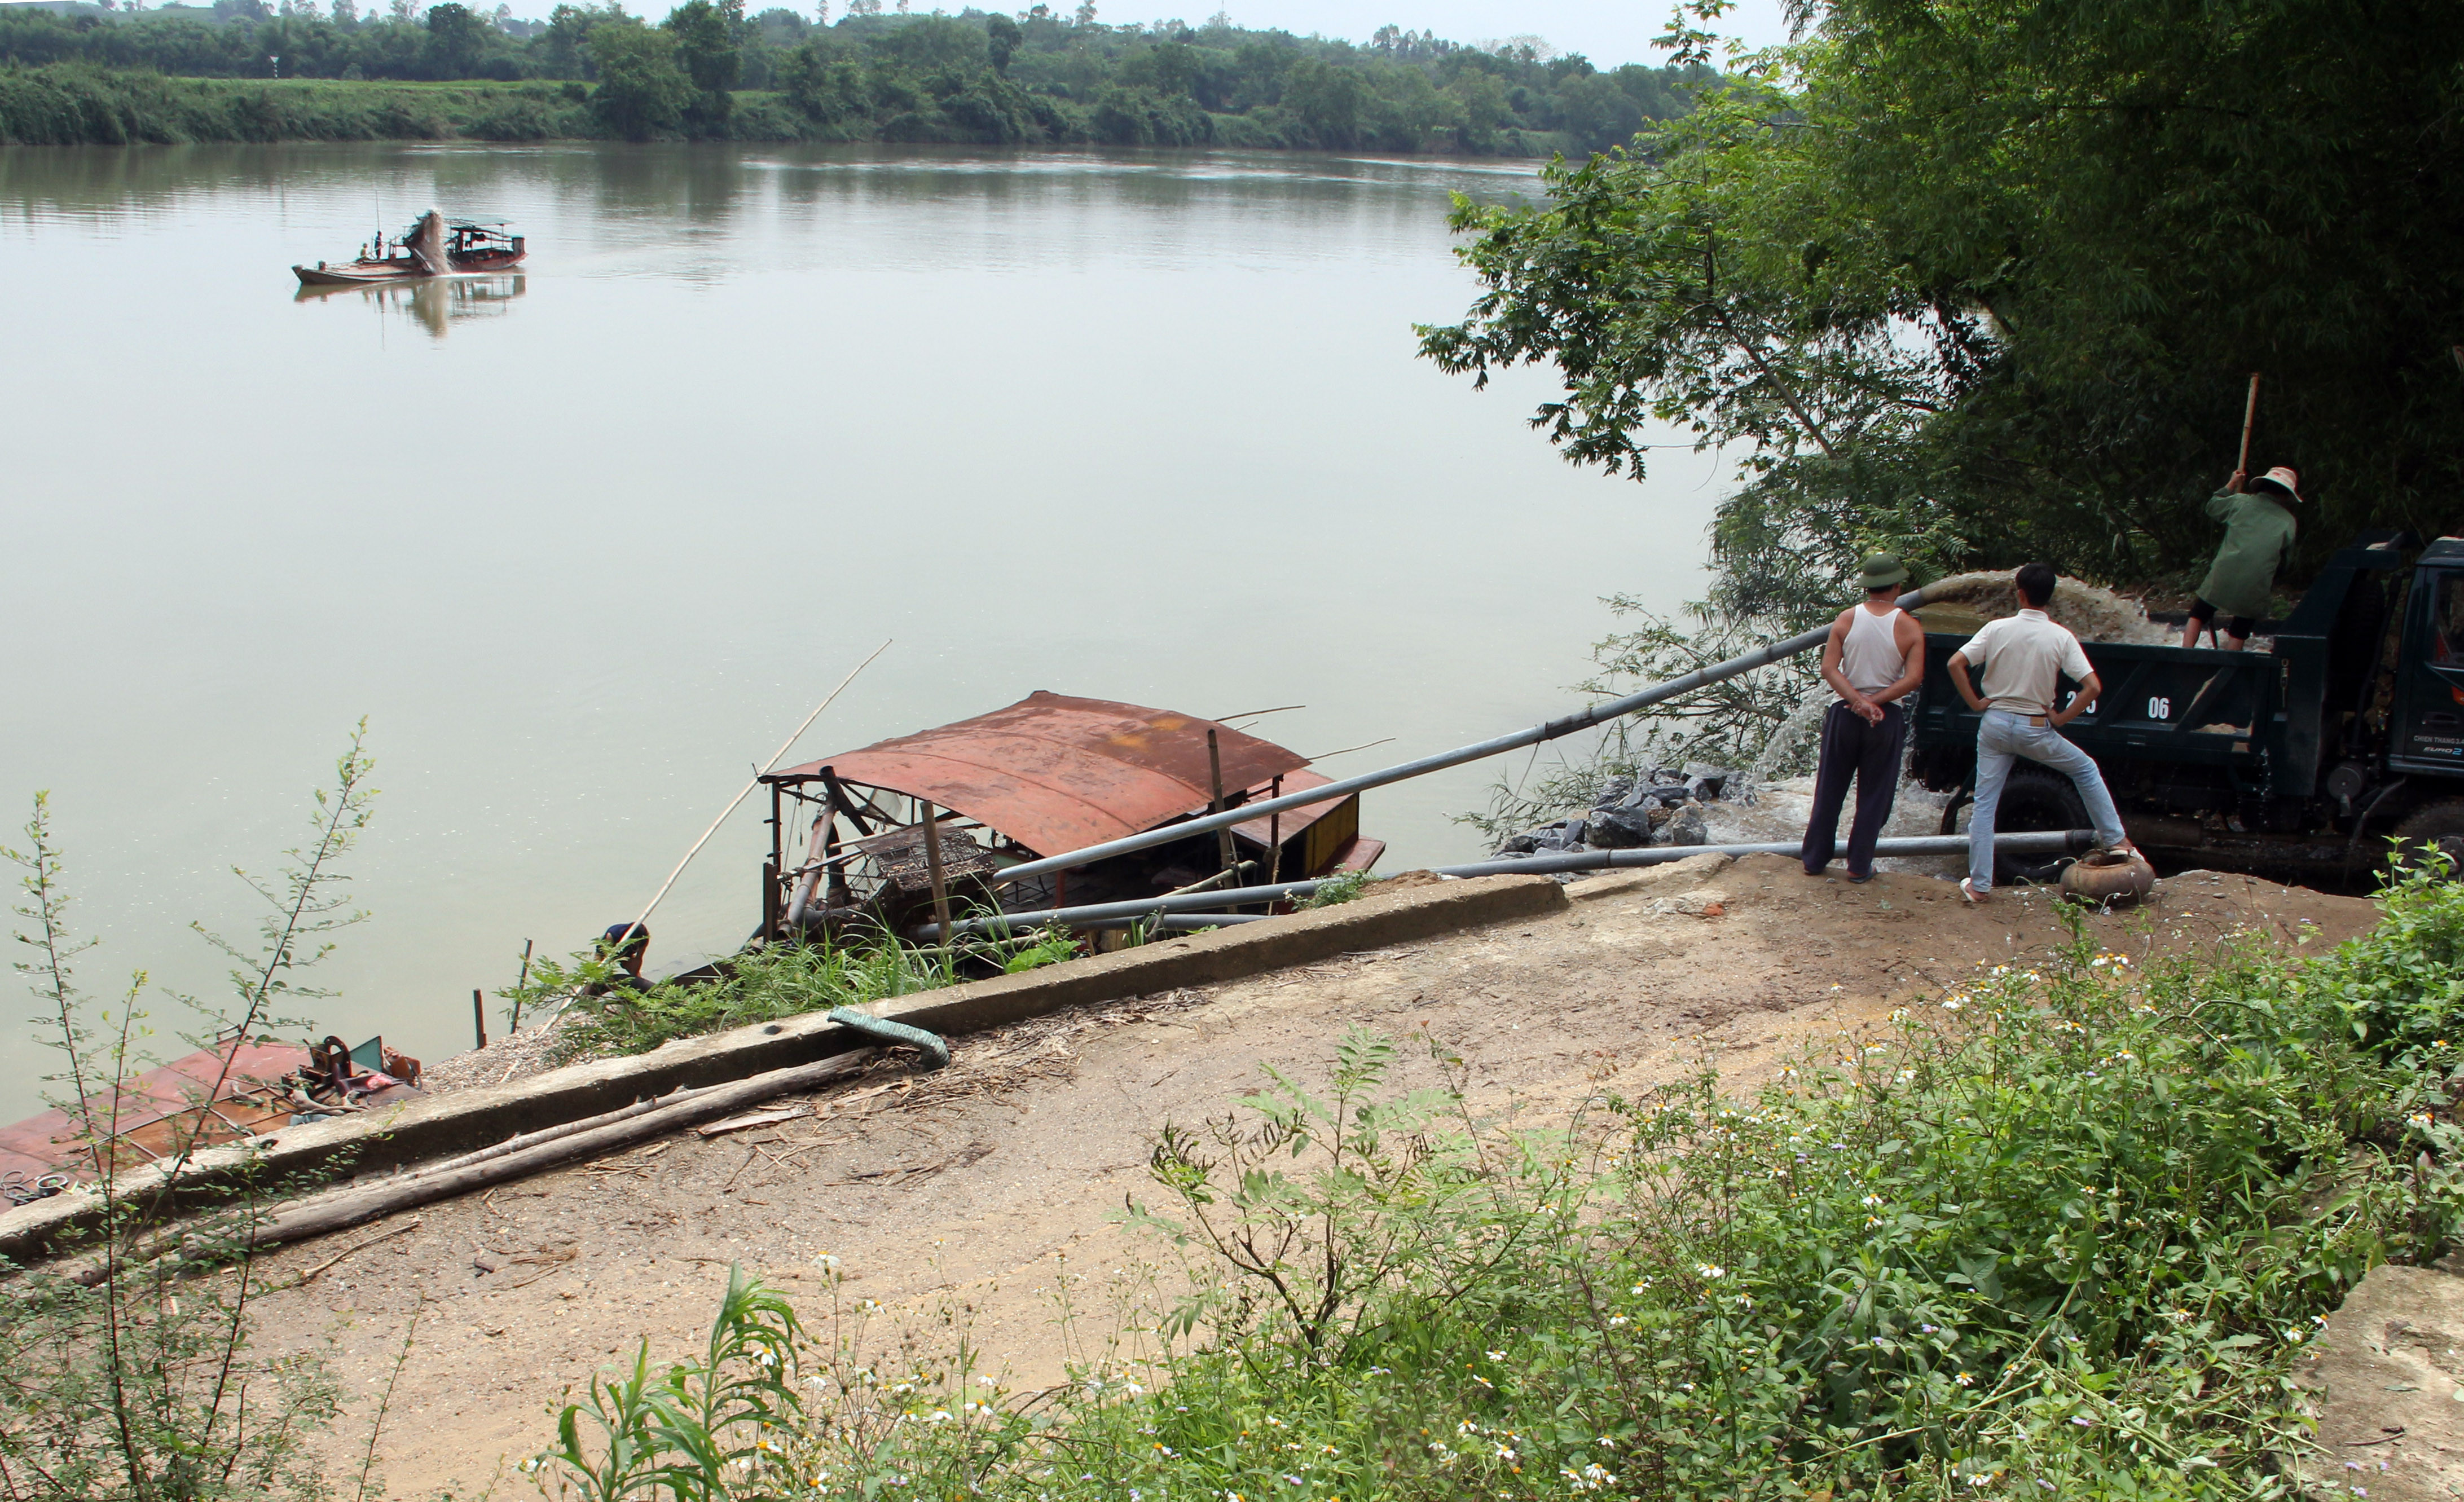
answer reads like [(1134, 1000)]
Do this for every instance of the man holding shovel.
[(2259, 538)]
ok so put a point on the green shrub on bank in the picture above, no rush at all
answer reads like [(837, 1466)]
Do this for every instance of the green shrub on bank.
[(2054, 1233), (761, 986)]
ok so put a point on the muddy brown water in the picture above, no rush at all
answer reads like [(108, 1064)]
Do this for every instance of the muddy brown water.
[(585, 542)]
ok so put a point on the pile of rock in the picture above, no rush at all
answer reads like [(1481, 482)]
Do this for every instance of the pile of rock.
[(1663, 807)]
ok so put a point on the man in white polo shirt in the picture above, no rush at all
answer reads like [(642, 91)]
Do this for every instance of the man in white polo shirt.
[(2023, 657)]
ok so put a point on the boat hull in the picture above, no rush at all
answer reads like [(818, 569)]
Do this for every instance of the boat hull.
[(375, 274)]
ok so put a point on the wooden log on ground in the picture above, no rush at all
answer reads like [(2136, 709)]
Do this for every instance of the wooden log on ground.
[(342, 1208), (515, 1144)]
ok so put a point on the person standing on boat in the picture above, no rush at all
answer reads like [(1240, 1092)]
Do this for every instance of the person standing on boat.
[(2259, 538), (2024, 658), (1874, 658)]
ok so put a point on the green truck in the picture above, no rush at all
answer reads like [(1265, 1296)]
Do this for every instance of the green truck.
[(2298, 762)]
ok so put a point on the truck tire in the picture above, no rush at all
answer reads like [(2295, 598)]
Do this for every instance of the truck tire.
[(2437, 827), (2033, 800)]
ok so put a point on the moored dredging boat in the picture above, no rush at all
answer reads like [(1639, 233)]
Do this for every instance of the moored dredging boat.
[(238, 1086), (431, 247), (1046, 775)]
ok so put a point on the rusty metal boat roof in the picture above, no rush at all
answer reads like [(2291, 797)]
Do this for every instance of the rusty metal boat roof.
[(1056, 773), (146, 1103)]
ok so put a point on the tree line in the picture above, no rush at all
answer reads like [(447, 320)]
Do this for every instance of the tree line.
[(1038, 78)]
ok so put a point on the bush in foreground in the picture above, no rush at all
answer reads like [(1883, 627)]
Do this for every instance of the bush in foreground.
[(2055, 1233)]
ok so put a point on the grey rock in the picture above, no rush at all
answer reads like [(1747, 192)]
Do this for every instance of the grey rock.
[(1668, 794), (1518, 845), (1621, 829), (1706, 782), (1614, 792), (1685, 826)]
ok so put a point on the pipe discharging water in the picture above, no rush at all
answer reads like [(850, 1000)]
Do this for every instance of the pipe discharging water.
[(1548, 730)]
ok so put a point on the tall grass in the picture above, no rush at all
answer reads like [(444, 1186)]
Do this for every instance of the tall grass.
[(130, 1373), (2055, 1232)]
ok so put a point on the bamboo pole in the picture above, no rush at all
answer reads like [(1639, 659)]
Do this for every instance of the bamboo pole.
[(775, 756), (2249, 415)]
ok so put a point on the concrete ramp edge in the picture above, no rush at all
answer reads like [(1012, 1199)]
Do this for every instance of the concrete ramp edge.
[(357, 1149)]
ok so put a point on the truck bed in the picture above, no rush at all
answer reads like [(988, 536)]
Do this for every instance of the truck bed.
[(2194, 706)]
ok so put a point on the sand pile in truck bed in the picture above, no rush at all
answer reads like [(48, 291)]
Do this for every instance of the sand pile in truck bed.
[(1965, 601)]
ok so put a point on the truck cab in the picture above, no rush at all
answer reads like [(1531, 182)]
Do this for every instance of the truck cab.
[(2296, 762)]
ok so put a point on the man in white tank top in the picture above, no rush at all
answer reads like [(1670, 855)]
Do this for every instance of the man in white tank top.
[(1875, 658)]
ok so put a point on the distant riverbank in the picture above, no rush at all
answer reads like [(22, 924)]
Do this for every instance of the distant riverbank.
[(69, 104), (63, 105)]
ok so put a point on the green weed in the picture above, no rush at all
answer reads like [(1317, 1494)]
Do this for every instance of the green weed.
[(2057, 1231), (761, 986)]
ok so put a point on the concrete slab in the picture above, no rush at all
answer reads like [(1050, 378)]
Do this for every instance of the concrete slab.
[(2388, 1376)]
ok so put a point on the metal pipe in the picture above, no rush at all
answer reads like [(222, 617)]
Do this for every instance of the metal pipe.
[(1187, 902), (2037, 842), (1402, 771), (2060, 842), (1178, 922)]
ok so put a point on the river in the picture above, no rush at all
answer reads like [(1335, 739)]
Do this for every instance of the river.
[(584, 543)]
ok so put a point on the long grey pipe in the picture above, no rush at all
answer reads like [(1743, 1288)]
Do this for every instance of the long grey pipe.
[(1548, 730), (2043, 841), (1101, 914)]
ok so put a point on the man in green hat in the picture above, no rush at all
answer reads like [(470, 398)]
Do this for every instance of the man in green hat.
[(1874, 658), (2259, 538)]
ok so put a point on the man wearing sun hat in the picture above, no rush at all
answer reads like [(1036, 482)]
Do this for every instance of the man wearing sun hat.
[(1874, 658), (2259, 538)]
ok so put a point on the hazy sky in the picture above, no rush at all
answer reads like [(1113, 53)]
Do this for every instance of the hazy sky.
[(1607, 31)]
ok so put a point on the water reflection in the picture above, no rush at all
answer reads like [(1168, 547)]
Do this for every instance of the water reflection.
[(434, 303), (579, 565)]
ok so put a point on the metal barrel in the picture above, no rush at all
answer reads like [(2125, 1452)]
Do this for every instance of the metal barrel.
[(1402, 771), (1105, 914)]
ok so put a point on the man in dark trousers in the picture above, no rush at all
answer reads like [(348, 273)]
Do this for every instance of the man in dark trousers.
[(1874, 658)]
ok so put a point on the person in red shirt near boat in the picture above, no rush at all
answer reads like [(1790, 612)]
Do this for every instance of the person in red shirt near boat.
[(1874, 658)]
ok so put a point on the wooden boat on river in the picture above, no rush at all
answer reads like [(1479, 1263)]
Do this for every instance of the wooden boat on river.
[(431, 247), (1046, 776)]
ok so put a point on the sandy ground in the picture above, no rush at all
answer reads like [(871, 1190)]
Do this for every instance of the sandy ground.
[(963, 1189)]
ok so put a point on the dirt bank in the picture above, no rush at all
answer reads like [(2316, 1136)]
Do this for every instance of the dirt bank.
[(965, 1185)]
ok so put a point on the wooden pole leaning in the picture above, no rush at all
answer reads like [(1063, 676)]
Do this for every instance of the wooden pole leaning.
[(932, 870), (2249, 416), (1225, 856), (1275, 838)]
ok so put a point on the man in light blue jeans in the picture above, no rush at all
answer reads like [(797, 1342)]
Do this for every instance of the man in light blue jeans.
[(2024, 657)]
